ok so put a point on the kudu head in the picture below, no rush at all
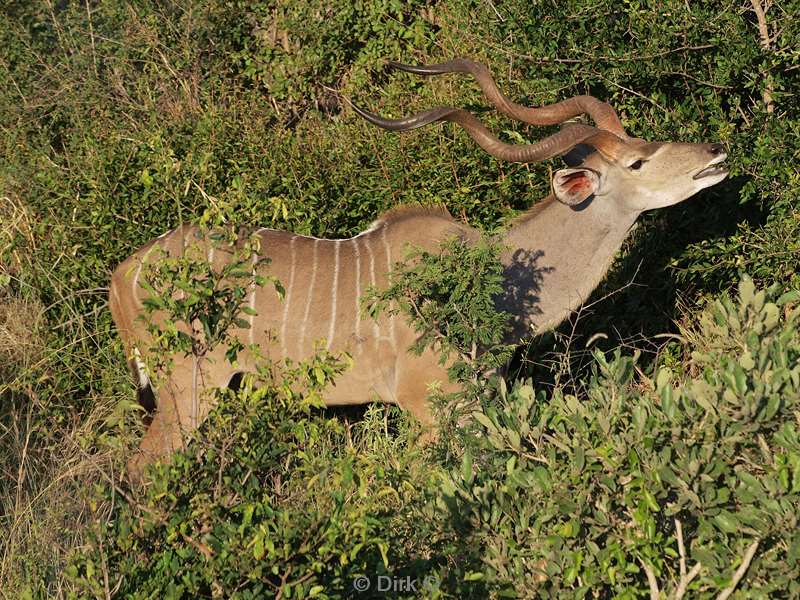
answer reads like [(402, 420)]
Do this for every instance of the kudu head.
[(605, 163)]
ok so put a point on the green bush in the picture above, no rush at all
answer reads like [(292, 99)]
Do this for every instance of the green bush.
[(568, 495), (263, 502), (636, 485), (449, 298)]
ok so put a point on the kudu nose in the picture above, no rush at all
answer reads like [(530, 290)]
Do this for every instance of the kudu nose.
[(717, 149)]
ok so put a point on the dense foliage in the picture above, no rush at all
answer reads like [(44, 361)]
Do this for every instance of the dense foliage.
[(679, 430), (571, 494)]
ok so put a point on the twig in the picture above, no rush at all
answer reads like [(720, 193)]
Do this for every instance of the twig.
[(686, 579), (104, 567), (75, 294), (91, 37), (58, 30), (634, 92), (81, 317), (681, 547), (737, 577), (685, 582), (202, 548), (284, 577), (716, 86), (14, 82), (763, 31), (651, 580), (494, 8), (618, 290)]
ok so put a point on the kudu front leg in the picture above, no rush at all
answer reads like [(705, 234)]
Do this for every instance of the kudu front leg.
[(416, 376)]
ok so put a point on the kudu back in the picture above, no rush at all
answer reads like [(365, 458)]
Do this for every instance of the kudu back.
[(557, 253)]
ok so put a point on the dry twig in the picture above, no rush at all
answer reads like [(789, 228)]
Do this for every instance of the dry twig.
[(763, 32), (737, 577), (651, 580)]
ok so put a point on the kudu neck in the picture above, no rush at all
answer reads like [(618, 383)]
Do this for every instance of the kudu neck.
[(556, 255)]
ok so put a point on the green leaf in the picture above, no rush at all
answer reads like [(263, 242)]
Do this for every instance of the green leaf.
[(727, 522), (484, 420), (788, 298), (466, 468)]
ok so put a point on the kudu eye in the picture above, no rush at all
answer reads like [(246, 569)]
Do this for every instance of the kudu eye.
[(636, 165)]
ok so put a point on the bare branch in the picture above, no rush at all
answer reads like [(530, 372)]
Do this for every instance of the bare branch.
[(681, 547), (685, 581), (737, 577), (651, 580), (766, 44)]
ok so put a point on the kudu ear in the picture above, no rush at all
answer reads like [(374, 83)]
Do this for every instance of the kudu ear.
[(573, 186)]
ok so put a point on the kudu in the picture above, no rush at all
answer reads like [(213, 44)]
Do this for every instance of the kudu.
[(557, 253)]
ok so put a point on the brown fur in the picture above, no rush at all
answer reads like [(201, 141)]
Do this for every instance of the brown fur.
[(404, 212), (533, 211)]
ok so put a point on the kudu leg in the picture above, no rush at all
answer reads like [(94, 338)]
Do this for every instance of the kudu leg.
[(172, 422), (415, 375), (162, 437)]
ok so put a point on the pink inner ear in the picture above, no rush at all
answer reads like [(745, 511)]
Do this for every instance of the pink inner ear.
[(577, 184)]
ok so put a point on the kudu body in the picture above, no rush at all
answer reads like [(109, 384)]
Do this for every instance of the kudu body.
[(558, 252)]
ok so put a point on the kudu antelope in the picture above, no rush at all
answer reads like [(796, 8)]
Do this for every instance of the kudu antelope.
[(557, 253)]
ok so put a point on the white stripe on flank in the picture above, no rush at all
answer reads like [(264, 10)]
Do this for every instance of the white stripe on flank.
[(310, 297), (335, 293), (376, 330), (252, 301), (358, 290), (287, 300), (135, 282), (165, 234), (388, 270)]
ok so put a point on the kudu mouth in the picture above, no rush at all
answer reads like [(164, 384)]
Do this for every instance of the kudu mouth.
[(711, 170)]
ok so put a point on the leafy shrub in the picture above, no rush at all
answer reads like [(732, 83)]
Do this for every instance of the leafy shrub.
[(259, 506), (566, 495), (449, 298), (276, 49)]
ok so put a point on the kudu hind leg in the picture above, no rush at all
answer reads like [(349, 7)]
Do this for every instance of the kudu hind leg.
[(162, 438), (170, 424)]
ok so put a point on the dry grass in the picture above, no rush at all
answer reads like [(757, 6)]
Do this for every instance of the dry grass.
[(16, 236), (21, 322), (45, 498), (46, 472)]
